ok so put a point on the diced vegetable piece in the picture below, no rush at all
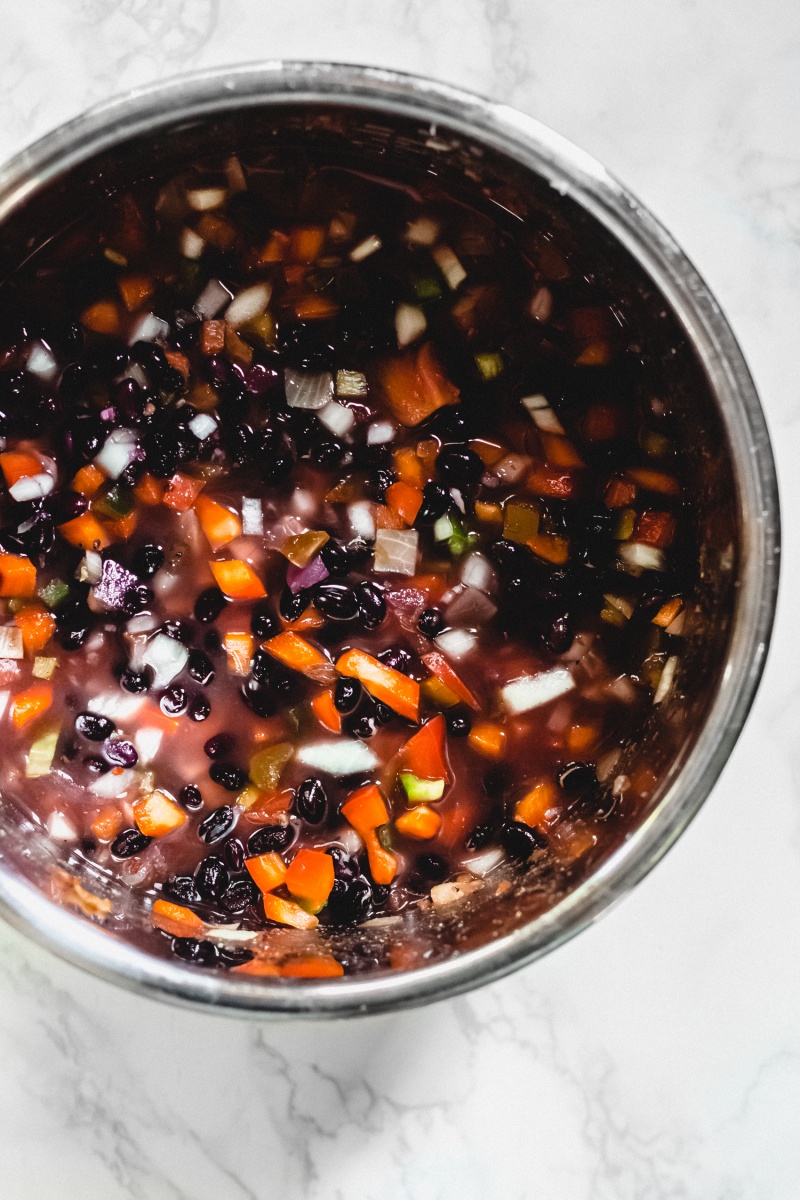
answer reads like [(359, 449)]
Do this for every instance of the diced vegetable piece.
[(366, 811), (266, 766), (382, 682), (487, 738), (490, 365), (550, 547), (668, 612), (637, 557), (434, 690), (114, 585), (326, 712), (458, 643), (17, 576), (248, 304), (150, 491), (237, 580), (655, 529), (536, 803), (449, 265), (54, 592), (337, 418), (310, 879), (551, 481), (156, 814), (305, 389), (295, 652), (88, 480), (531, 691), (37, 626), (84, 531), (203, 425), (252, 517), (312, 966), (18, 465), (31, 703), (114, 500), (39, 759), (422, 823), (44, 668), (415, 386), (135, 290), (239, 650), (268, 871), (351, 383), (102, 317), (654, 481), (419, 790), (345, 756), (410, 323), (108, 823), (176, 920), (11, 643), (425, 753), (520, 521), (619, 493), (167, 657), (405, 500), (286, 912), (438, 665), (396, 551), (182, 492), (409, 467), (218, 523), (667, 679), (542, 414), (301, 548)]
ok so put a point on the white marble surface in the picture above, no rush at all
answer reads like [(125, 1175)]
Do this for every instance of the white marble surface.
[(658, 1056)]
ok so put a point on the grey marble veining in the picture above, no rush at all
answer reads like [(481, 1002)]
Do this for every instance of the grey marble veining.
[(658, 1056)]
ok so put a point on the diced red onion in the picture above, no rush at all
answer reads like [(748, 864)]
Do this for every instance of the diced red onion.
[(212, 300), (298, 578), (307, 389)]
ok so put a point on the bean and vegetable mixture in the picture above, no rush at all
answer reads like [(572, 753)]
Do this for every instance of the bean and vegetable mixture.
[(342, 552)]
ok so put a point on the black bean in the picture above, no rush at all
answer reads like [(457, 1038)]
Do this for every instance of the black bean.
[(558, 636), (199, 709), (219, 744), (147, 560), (327, 453), (94, 727), (199, 953), (270, 839), (362, 727), (181, 889), (64, 506), (133, 681), (259, 699), (128, 843), (233, 850), (218, 822), (234, 956), (212, 877), (293, 604), (95, 765), (436, 501), (576, 776), (200, 667), (371, 604), (458, 724), (430, 622), (336, 559), (273, 457), (174, 700), (397, 658), (496, 782), (519, 841), (459, 467), (379, 481), (432, 867), (239, 895), (190, 797), (263, 621), (479, 836), (137, 599), (337, 601), (347, 694), (310, 801), (120, 752), (350, 901), (232, 778), (208, 605), (179, 631), (382, 713)]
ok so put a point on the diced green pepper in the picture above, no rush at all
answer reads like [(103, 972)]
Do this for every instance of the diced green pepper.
[(489, 365), (114, 500), (267, 765), (419, 790), (54, 593)]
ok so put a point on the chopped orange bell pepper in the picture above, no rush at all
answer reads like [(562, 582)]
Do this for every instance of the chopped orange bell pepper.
[(177, 920), (325, 711), (37, 625), (256, 966), (31, 703), (307, 243), (314, 307), (124, 527), (405, 500), (17, 464), (668, 612), (312, 966), (654, 481), (550, 547), (108, 823), (102, 317), (366, 811), (237, 579), (218, 523), (239, 649), (551, 481), (533, 806), (88, 480), (17, 576), (415, 386), (135, 290), (382, 682), (438, 665), (150, 491), (156, 815), (295, 652), (182, 491), (409, 467), (268, 871), (487, 738), (655, 529), (310, 879), (286, 912), (421, 822), (85, 532)]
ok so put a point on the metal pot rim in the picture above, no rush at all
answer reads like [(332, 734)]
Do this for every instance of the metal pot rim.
[(574, 173)]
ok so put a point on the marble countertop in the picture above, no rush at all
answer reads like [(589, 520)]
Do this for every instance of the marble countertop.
[(656, 1057)]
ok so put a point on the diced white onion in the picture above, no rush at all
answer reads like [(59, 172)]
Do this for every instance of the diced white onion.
[(212, 300), (337, 418), (4, 699), (422, 232), (449, 265), (344, 756), (137, 373), (442, 528), (458, 499), (90, 568), (542, 414), (167, 657), (304, 502), (396, 551), (639, 556), (365, 248), (531, 691), (512, 468), (202, 426), (191, 245), (306, 389), (350, 840), (60, 828), (482, 864), (204, 199), (478, 572), (147, 741), (148, 328), (230, 934), (666, 680), (234, 173), (31, 487), (470, 607), (541, 305), (362, 519), (120, 450), (41, 362), (11, 642), (248, 304), (410, 323), (118, 705), (351, 383), (252, 517), (677, 626), (380, 432), (606, 764), (142, 623), (109, 786), (457, 643)]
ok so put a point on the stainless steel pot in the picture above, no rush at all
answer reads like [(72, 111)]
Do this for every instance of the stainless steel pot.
[(438, 127)]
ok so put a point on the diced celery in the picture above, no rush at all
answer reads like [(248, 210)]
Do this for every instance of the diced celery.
[(442, 528), (351, 383), (40, 756), (266, 765), (43, 668), (489, 365), (54, 592), (421, 790), (426, 287)]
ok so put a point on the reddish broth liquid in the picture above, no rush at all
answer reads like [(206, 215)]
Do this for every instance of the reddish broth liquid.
[(565, 512)]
